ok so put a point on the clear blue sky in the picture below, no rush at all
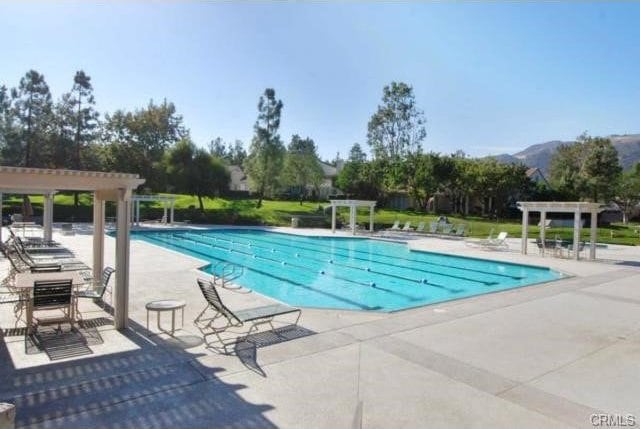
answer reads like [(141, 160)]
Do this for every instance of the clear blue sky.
[(490, 77)]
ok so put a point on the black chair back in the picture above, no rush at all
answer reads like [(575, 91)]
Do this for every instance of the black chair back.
[(213, 298), (52, 293)]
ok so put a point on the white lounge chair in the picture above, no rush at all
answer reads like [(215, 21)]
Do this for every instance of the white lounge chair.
[(395, 226), (500, 242), (407, 226), (420, 227)]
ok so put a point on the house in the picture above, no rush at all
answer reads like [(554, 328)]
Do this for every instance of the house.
[(237, 179)]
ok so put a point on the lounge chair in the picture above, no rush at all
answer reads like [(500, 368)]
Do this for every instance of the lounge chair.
[(500, 242), (395, 226), (407, 226), (420, 227), (252, 316), (446, 228), (480, 242), (547, 224), (433, 227), (39, 265), (459, 230)]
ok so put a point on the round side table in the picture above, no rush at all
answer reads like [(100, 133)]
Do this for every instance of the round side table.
[(166, 305)]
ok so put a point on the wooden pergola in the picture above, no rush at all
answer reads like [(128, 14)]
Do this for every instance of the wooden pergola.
[(577, 208), (116, 187), (353, 206)]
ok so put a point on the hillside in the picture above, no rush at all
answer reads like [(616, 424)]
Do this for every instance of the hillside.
[(539, 155)]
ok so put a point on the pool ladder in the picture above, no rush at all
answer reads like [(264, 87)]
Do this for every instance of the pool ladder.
[(225, 272)]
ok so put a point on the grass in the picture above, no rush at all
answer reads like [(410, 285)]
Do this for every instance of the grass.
[(244, 212)]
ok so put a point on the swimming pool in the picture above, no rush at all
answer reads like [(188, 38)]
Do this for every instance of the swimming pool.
[(344, 273)]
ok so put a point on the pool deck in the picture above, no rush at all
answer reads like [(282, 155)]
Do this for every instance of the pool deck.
[(548, 355)]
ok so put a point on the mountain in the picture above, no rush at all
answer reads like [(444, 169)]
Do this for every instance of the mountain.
[(539, 155)]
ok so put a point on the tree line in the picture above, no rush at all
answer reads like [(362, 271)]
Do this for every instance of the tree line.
[(68, 132)]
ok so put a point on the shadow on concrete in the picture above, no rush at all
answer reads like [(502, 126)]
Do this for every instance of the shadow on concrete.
[(246, 348), (153, 384)]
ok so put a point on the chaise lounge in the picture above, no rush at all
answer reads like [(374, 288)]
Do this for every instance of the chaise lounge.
[(251, 316)]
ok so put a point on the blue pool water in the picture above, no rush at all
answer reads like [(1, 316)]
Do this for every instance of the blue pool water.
[(345, 273)]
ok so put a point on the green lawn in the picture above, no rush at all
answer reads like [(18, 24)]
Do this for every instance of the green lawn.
[(244, 212)]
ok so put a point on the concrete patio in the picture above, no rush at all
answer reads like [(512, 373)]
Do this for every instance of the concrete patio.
[(549, 355)]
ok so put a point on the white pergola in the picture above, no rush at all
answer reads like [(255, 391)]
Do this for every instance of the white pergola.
[(168, 202), (116, 187), (353, 206), (577, 208)]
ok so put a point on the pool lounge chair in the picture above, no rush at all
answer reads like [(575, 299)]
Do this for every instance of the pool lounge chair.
[(407, 226), (395, 226), (420, 227), (447, 228), (433, 227), (498, 243), (459, 230), (251, 316)]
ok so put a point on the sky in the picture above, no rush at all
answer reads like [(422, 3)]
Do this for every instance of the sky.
[(490, 77)]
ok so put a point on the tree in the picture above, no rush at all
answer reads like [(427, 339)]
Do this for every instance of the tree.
[(397, 128), (217, 148), (85, 118), (264, 162), (236, 153), (10, 146), (232, 154), (588, 168), (601, 169), (136, 141), (629, 192), (566, 171), (62, 133), (33, 110), (301, 165), (194, 171), (356, 154)]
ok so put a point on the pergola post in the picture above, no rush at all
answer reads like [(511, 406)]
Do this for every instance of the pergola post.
[(137, 203), (333, 218), (47, 216), (594, 235), (371, 212), (173, 203), (543, 220), (98, 236), (121, 306), (576, 233), (525, 229), (352, 219), (164, 215)]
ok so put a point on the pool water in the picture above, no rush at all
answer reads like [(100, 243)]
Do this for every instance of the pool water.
[(344, 273)]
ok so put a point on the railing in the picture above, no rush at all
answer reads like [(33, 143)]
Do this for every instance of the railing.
[(225, 272)]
